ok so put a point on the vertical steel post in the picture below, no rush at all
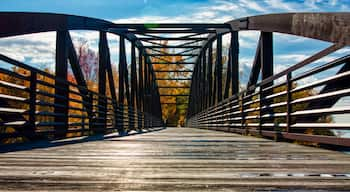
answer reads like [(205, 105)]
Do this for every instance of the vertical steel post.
[(266, 57), (102, 100), (140, 87), (214, 84), (234, 62), (210, 76), (204, 74), (122, 61), (127, 91), (146, 91), (111, 84), (199, 84), (228, 75), (219, 67), (133, 85), (61, 85)]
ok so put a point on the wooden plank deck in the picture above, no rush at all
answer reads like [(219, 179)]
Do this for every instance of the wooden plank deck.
[(174, 159)]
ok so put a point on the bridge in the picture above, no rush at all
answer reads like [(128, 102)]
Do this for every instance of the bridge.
[(277, 134)]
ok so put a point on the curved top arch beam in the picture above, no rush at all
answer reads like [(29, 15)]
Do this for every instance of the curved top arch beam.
[(331, 27), (27, 23)]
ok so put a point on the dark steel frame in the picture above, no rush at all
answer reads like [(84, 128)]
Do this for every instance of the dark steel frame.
[(213, 103), (258, 109)]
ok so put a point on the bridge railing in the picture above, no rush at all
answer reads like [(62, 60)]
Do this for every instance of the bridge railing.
[(29, 111), (35, 104), (286, 110), (287, 105)]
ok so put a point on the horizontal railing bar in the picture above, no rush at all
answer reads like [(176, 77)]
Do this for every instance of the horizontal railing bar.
[(181, 26), (307, 61), (13, 123), (340, 93), (173, 47), (12, 85), (329, 65), (13, 98), (177, 31), (335, 110), (11, 110), (321, 82), (14, 74)]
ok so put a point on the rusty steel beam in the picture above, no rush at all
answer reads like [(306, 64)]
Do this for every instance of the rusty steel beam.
[(331, 27)]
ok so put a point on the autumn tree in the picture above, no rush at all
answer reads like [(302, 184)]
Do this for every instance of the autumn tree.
[(174, 113)]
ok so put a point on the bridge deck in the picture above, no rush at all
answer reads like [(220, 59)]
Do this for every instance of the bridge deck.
[(174, 159)]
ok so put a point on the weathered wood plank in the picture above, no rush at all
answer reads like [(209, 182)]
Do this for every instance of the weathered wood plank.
[(174, 159)]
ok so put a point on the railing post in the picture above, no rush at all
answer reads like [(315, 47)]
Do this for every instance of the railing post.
[(289, 99), (61, 85), (89, 109), (261, 104), (32, 104)]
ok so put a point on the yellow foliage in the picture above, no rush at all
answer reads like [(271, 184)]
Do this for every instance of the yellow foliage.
[(174, 114)]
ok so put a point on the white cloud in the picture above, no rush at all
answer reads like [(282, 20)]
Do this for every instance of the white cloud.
[(247, 61), (37, 49), (291, 58), (333, 2), (281, 5), (252, 5), (345, 50), (312, 4)]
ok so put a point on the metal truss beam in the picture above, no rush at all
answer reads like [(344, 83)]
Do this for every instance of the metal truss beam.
[(172, 39)]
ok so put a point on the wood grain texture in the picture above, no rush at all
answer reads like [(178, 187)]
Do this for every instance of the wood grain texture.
[(174, 159)]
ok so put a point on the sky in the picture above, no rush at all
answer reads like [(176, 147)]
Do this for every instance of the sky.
[(288, 49)]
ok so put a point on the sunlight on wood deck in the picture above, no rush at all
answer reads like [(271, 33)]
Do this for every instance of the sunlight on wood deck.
[(175, 159)]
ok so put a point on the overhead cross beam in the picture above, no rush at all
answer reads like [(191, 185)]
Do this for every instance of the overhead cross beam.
[(174, 47), (172, 39)]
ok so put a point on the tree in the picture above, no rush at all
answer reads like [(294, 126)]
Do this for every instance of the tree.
[(173, 113)]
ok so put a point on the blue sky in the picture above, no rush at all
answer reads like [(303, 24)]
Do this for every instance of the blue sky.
[(117, 9)]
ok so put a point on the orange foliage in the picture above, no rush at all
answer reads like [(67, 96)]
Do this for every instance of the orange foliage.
[(174, 114)]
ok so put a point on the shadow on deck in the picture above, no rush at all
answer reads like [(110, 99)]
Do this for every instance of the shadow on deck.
[(74, 140)]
